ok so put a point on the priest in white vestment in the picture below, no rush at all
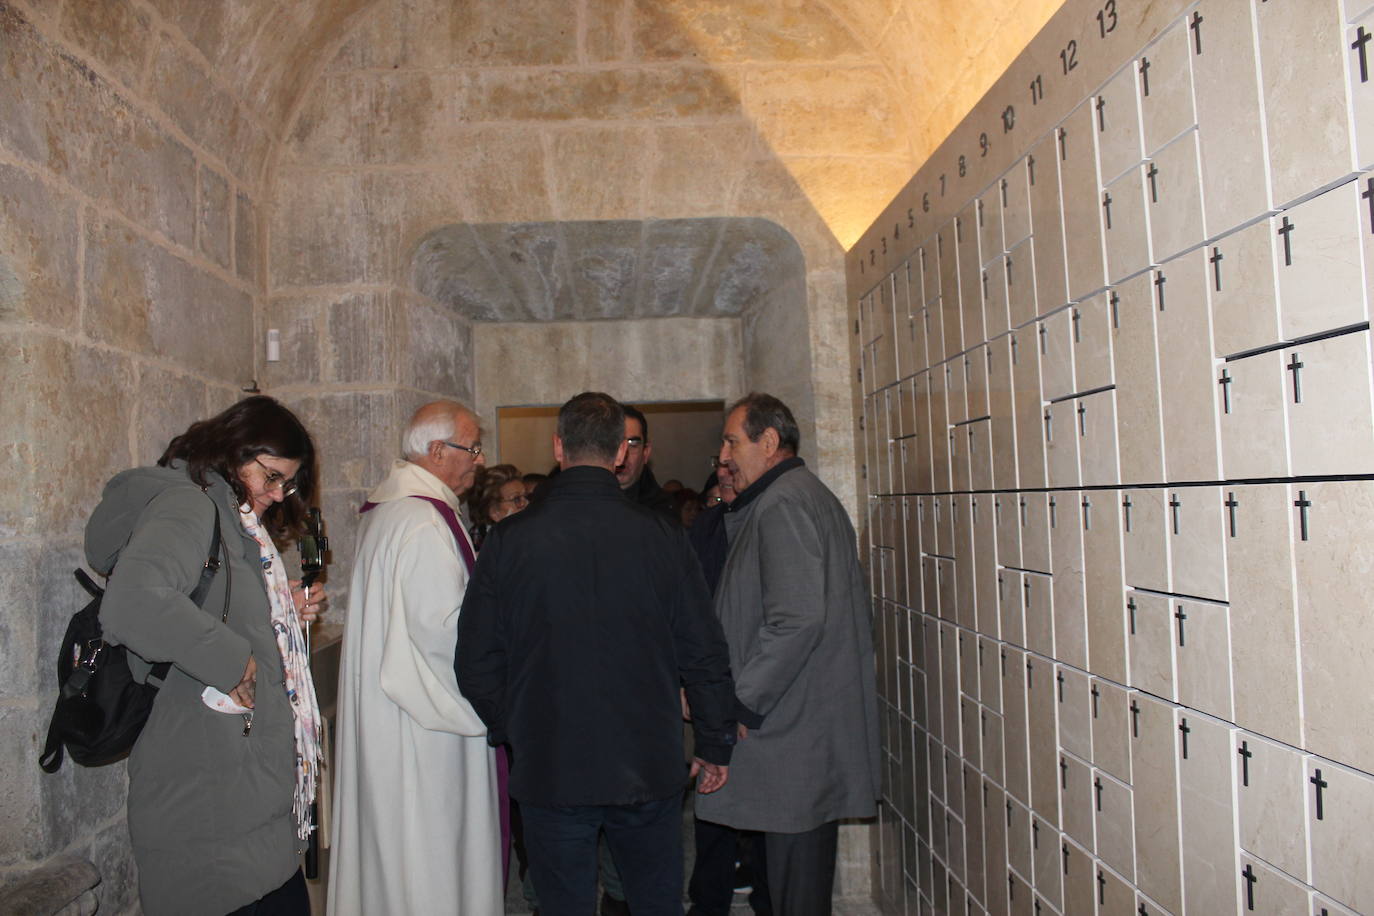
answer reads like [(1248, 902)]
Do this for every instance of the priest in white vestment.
[(416, 827)]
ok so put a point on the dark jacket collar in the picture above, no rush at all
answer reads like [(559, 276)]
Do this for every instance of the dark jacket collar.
[(646, 488), (752, 491), (583, 480), (646, 492)]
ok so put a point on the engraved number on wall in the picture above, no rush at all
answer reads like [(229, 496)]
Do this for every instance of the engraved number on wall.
[(1106, 19), (1068, 58)]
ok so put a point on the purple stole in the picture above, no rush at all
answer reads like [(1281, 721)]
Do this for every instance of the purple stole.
[(454, 526), (502, 761)]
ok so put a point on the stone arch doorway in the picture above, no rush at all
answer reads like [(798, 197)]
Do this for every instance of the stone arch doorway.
[(646, 310)]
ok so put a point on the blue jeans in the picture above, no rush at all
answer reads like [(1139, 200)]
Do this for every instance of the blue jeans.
[(645, 841)]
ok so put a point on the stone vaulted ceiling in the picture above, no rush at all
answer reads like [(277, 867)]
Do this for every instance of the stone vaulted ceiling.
[(258, 59)]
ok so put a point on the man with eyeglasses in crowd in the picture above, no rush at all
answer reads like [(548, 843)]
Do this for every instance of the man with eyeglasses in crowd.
[(417, 827), (634, 474)]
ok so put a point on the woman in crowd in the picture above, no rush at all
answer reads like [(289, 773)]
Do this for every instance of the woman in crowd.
[(498, 492), (688, 504), (222, 778)]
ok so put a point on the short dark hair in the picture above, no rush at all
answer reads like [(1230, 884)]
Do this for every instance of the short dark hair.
[(763, 411), (634, 412), (591, 427), (227, 441)]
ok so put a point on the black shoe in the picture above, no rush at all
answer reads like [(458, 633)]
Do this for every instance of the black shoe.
[(613, 907)]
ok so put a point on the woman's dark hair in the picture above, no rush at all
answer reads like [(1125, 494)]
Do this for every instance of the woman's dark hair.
[(227, 441)]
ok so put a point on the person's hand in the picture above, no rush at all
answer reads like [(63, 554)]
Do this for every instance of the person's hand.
[(243, 693), (742, 730), (713, 775), (686, 709), (311, 602)]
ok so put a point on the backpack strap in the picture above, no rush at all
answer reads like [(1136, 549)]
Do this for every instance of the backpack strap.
[(212, 566), (53, 751), (158, 674)]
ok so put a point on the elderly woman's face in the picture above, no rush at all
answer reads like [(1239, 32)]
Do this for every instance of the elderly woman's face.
[(510, 501)]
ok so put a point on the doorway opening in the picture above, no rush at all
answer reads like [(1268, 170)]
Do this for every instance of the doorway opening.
[(684, 434)]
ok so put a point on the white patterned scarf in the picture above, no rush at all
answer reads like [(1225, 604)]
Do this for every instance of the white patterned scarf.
[(300, 688)]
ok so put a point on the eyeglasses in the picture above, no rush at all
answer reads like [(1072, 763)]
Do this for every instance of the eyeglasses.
[(520, 500), (473, 450), (276, 480), (634, 441)]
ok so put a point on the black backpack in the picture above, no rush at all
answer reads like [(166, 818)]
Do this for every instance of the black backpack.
[(101, 708)]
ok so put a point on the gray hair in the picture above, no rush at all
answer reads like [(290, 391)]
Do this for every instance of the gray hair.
[(436, 420), (591, 426), (763, 412)]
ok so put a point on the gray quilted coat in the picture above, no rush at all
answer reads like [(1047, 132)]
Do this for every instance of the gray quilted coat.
[(209, 807)]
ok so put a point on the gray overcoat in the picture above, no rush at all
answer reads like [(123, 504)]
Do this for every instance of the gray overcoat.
[(209, 808), (794, 605)]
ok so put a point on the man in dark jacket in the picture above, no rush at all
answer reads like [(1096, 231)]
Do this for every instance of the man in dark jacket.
[(635, 476), (585, 613)]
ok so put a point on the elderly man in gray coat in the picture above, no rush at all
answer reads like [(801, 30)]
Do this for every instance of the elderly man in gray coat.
[(795, 610)]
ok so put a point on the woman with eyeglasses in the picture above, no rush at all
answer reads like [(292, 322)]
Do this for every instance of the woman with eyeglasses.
[(223, 775), (499, 492)]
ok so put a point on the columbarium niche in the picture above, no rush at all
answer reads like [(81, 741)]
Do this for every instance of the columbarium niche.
[(1118, 450)]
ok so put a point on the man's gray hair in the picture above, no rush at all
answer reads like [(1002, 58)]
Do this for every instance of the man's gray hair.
[(763, 411), (427, 424)]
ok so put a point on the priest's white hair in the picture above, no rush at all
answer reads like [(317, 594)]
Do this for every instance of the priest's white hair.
[(428, 424)]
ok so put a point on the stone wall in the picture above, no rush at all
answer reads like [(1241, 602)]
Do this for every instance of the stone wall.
[(357, 359), (128, 276)]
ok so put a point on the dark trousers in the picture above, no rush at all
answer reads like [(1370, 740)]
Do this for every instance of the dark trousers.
[(718, 848), (645, 841), (291, 899), (801, 870)]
